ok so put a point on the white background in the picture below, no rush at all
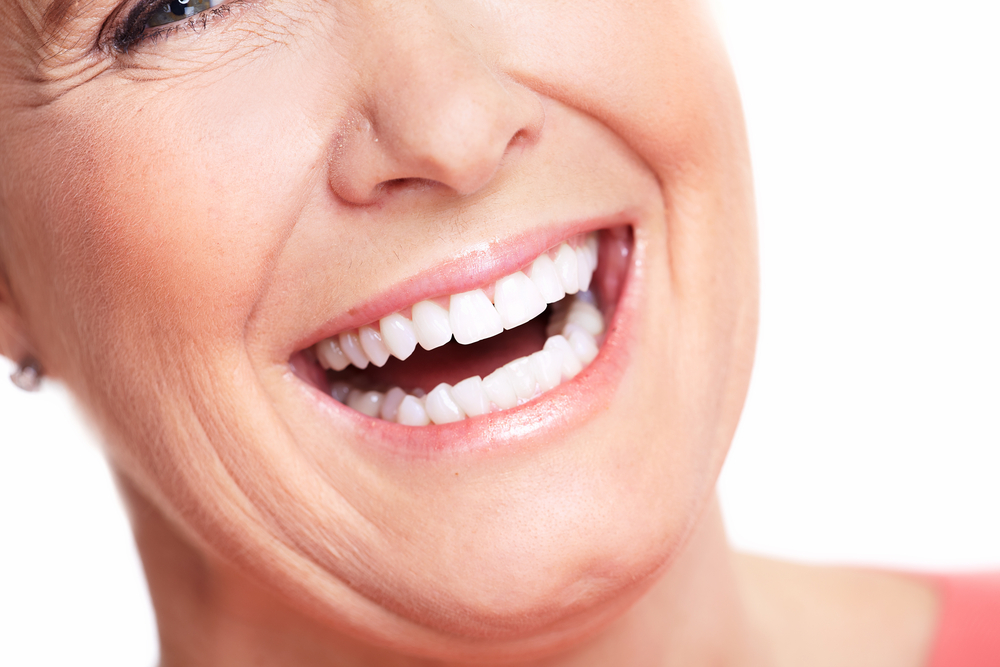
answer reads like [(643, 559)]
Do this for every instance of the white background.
[(871, 431)]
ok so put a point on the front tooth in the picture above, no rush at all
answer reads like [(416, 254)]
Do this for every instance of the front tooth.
[(351, 345), (522, 378), (583, 268), (546, 279), (473, 317), (471, 397), (583, 345), (441, 405), (546, 368), (331, 356), (569, 274), (586, 316), (390, 404), (412, 413), (372, 344), (570, 363), (592, 246), (431, 325), (499, 387), (517, 300), (398, 335), (365, 402)]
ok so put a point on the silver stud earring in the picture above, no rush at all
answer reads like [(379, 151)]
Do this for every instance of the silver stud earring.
[(28, 375)]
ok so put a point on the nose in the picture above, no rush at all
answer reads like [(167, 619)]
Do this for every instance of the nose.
[(435, 111)]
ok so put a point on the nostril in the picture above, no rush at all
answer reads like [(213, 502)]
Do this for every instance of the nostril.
[(522, 136), (395, 185)]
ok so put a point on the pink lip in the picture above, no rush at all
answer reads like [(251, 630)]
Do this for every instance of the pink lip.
[(561, 409), (480, 265)]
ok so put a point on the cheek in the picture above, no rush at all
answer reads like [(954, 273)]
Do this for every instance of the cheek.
[(679, 110), (170, 209), (155, 221)]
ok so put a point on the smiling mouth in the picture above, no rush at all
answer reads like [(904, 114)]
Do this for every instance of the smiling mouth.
[(490, 349)]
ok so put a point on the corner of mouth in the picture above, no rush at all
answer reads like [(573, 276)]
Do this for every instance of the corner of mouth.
[(508, 350)]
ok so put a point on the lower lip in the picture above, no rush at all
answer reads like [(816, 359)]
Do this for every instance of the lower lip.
[(552, 414)]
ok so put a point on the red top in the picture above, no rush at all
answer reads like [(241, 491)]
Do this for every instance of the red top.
[(969, 628)]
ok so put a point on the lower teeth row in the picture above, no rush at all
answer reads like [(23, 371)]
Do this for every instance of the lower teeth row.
[(574, 332)]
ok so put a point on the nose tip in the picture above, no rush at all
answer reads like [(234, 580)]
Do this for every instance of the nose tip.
[(444, 118), (467, 138)]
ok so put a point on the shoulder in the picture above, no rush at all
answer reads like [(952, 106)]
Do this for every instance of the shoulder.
[(827, 616)]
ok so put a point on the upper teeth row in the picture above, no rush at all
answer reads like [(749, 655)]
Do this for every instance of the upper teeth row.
[(470, 316)]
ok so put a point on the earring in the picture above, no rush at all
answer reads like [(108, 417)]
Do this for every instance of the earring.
[(28, 375)]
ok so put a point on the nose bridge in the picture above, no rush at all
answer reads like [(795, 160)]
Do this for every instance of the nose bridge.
[(438, 110)]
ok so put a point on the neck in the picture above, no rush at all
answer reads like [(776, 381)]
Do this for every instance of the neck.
[(209, 614)]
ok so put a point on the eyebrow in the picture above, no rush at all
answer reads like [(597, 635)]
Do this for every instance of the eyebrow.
[(58, 13)]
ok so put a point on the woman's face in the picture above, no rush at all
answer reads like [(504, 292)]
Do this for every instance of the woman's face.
[(187, 211)]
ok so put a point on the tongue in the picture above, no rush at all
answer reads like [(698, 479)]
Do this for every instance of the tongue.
[(452, 362)]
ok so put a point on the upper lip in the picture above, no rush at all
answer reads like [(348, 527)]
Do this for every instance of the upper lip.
[(479, 265)]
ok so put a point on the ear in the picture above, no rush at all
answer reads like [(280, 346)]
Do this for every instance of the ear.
[(13, 334)]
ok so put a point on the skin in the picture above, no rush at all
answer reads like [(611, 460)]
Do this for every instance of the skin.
[(177, 220)]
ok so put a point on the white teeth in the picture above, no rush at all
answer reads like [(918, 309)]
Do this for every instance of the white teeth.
[(431, 324), (572, 329), (522, 378), (372, 344), (517, 300), (331, 356), (390, 404), (365, 402), (473, 317), (471, 397), (566, 267), (583, 268), (412, 413), (592, 246), (398, 335), (441, 405), (569, 363), (499, 387), (583, 345), (546, 368), (562, 357), (586, 316), (351, 345), (543, 274)]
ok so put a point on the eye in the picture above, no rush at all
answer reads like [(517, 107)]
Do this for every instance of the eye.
[(145, 20), (178, 10)]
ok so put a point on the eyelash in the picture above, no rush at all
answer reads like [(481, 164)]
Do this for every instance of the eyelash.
[(132, 30)]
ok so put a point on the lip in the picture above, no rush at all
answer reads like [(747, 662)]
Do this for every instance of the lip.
[(565, 407), (479, 265)]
